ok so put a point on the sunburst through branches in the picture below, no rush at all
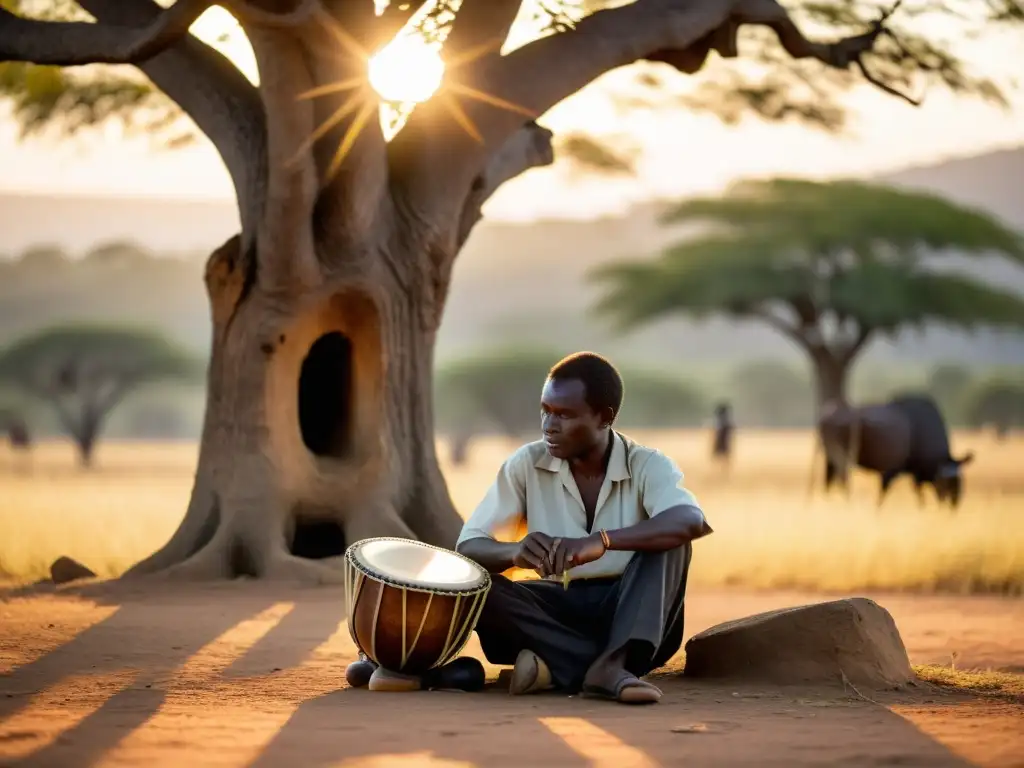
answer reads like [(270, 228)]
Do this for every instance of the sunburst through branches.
[(408, 71)]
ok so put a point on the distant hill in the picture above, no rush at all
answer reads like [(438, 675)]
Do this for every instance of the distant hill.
[(513, 282), (79, 222), (993, 182)]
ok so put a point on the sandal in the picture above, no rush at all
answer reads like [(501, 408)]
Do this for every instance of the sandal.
[(530, 674), (628, 690)]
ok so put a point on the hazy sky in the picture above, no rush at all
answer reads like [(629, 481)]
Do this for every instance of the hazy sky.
[(682, 153)]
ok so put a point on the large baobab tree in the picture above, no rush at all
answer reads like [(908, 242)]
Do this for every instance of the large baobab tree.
[(326, 305)]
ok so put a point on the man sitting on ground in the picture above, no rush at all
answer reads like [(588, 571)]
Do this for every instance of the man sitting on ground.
[(610, 511)]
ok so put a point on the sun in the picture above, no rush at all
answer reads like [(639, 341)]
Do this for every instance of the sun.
[(406, 70)]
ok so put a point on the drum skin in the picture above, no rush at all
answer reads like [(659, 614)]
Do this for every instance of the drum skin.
[(408, 629)]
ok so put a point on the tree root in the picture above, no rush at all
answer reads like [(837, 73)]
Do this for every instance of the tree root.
[(215, 544), (376, 520), (200, 525), (289, 568), (212, 562)]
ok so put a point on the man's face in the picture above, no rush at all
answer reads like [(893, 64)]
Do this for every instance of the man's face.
[(571, 428)]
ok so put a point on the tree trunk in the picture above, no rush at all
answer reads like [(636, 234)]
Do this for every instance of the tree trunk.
[(318, 429), (830, 379), (86, 448), (86, 437)]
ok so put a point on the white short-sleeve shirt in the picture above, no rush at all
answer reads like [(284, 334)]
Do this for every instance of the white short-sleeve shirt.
[(538, 488)]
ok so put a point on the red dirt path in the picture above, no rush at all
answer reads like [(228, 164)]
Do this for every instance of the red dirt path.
[(242, 675)]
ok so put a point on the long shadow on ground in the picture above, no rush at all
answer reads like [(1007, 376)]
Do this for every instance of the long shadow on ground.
[(694, 724)]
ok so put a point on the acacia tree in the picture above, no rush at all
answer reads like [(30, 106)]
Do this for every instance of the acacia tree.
[(326, 305), (84, 372), (831, 266)]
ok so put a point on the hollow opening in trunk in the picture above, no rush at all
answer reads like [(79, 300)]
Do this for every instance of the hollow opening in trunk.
[(316, 540), (325, 396)]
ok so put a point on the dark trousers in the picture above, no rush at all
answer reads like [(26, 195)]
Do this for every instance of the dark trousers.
[(641, 611)]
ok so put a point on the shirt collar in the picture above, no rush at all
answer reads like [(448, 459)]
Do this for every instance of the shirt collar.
[(618, 467)]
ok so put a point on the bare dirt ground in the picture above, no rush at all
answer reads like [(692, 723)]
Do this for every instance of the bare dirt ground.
[(245, 675)]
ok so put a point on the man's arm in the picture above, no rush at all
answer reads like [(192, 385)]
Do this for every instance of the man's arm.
[(674, 517), (667, 530), (494, 556), (502, 506)]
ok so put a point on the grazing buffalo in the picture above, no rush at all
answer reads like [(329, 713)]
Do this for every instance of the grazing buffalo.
[(906, 435)]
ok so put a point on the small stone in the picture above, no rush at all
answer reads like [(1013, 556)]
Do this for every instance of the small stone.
[(65, 570), (691, 728)]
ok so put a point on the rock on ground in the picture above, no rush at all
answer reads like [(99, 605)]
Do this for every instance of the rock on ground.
[(64, 569), (824, 642)]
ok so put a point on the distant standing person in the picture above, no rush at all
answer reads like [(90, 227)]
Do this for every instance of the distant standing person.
[(721, 449), (17, 435)]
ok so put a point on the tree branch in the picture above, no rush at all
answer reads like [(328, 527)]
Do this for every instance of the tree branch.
[(682, 32), (285, 243), (305, 12), (395, 16), (223, 104), (864, 334), (776, 322), (73, 43), (480, 29), (420, 156), (530, 147)]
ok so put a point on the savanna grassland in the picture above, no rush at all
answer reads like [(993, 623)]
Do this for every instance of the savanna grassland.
[(250, 674), (770, 532)]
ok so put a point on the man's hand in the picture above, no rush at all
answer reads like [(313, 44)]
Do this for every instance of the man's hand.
[(533, 552), (568, 553)]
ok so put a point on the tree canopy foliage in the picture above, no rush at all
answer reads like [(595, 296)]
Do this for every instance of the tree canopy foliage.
[(767, 84), (83, 372), (830, 265)]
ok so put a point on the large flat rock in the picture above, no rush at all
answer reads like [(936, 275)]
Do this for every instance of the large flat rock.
[(807, 645)]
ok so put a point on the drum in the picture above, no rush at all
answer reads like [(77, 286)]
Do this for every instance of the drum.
[(411, 606)]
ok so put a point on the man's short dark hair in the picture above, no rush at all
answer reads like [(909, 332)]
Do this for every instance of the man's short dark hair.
[(601, 379)]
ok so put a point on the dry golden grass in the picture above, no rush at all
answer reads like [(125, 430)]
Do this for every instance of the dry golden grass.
[(1003, 685), (768, 532)]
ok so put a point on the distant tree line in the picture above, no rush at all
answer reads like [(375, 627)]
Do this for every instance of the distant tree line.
[(44, 257), (495, 392), (82, 373), (498, 392)]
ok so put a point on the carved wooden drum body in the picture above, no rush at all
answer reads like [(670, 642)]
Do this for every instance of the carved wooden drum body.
[(411, 606)]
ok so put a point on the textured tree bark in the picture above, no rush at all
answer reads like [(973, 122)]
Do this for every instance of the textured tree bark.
[(318, 417)]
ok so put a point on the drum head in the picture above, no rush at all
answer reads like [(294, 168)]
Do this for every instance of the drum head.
[(415, 564)]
